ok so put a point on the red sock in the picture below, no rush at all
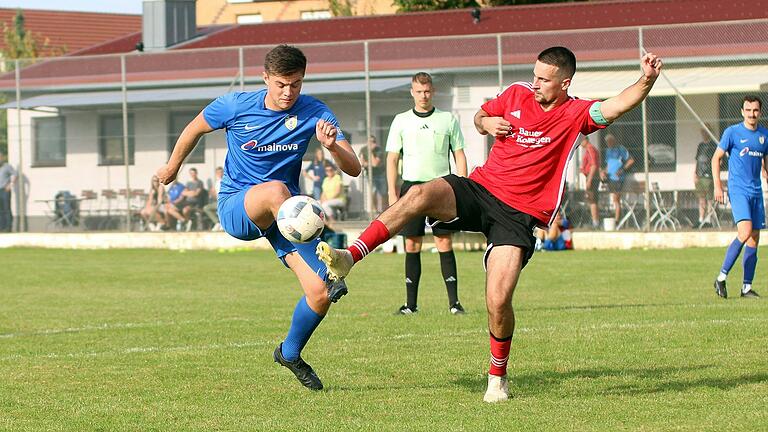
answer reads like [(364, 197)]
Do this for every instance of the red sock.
[(376, 234), (499, 355)]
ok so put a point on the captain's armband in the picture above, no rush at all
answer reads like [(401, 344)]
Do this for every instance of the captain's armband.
[(597, 115)]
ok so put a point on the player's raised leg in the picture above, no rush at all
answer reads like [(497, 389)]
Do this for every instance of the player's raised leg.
[(503, 270), (434, 199)]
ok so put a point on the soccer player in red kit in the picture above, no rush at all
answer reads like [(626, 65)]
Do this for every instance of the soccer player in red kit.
[(537, 127)]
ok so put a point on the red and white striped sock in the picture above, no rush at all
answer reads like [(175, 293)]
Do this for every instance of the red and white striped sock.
[(376, 234), (499, 355)]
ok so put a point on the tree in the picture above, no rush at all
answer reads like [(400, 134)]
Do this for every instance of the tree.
[(525, 2), (430, 5), (340, 7), (19, 44)]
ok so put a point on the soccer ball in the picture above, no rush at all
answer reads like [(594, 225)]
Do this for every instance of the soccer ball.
[(300, 219)]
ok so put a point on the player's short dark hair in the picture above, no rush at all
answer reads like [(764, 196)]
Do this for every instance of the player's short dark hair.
[(284, 60), (753, 98), (193, 169), (422, 78), (560, 57)]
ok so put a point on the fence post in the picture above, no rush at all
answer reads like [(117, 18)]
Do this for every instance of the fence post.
[(22, 209), (125, 146), (368, 199), (500, 61), (241, 66), (644, 108)]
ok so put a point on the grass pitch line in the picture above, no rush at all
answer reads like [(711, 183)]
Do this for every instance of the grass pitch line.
[(116, 326)]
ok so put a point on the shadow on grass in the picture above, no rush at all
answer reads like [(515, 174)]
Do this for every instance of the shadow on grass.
[(645, 381)]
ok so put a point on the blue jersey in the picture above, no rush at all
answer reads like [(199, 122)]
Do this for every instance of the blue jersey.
[(262, 144), (746, 149), (615, 158)]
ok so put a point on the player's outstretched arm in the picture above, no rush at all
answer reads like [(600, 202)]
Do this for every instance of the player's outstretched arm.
[(616, 106), (341, 151), (184, 146)]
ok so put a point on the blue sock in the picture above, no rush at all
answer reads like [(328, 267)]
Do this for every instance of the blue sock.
[(750, 263), (733, 251), (303, 324)]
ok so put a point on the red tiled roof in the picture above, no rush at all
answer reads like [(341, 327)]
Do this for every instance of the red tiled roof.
[(73, 31), (585, 15)]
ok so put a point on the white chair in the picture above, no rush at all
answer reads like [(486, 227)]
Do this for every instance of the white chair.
[(663, 215)]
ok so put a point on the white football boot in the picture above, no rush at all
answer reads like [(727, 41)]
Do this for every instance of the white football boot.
[(498, 389), (338, 261)]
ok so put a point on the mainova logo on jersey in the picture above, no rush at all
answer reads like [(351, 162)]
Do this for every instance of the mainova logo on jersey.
[(746, 151), (274, 147)]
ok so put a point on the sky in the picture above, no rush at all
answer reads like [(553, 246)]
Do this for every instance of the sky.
[(114, 6)]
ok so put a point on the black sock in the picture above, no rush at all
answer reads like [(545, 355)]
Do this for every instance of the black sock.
[(448, 266), (412, 276)]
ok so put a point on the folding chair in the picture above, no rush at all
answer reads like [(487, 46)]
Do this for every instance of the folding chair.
[(663, 216), (628, 208)]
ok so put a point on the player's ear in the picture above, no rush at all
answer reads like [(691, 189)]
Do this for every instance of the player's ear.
[(565, 84), (266, 77)]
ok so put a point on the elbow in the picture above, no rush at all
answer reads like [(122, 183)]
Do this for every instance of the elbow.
[(354, 170)]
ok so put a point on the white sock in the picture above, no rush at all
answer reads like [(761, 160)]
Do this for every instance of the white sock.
[(722, 276), (746, 288)]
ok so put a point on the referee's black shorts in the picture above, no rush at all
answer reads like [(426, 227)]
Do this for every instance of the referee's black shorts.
[(415, 227), (479, 210)]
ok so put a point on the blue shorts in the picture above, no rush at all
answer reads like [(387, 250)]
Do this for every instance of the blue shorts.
[(748, 207), (236, 223), (556, 245)]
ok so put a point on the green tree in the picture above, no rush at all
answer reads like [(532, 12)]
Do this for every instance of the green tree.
[(341, 7), (524, 2), (430, 5), (19, 44)]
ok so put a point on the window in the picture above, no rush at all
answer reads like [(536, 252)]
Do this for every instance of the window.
[(49, 139), (111, 140), (662, 135), (250, 19), (318, 14), (177, 122)]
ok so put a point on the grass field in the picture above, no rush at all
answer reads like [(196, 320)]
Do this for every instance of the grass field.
[(146, 340)]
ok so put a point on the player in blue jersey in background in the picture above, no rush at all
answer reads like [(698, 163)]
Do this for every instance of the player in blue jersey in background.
[(747, 145), (267, 134)]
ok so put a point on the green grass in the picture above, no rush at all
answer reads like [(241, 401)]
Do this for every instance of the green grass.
[(146, 340)]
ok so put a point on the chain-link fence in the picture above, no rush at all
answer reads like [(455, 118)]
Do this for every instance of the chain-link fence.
[(86, 134)]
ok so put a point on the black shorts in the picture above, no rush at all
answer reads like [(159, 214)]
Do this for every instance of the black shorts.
[(615, 186), (480, 211), (593, 191), (415, 227)]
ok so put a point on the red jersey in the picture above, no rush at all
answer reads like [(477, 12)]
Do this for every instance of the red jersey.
[(526, 169), (590, 158)]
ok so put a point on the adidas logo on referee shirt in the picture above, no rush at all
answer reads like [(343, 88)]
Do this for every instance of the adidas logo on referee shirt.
[(425, 126)]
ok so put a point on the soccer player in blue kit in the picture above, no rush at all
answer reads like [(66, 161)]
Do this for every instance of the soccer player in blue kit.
[(267, 134), (747, 146)]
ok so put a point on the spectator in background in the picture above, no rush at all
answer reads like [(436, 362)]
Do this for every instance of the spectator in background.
[(558, 237), (194, 196), (176, 201), (211, 209), (702, 175), (332, 197), (378, 172), (151, 213), (590, 167), (617, 162), (7, 180), (316, 173)]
